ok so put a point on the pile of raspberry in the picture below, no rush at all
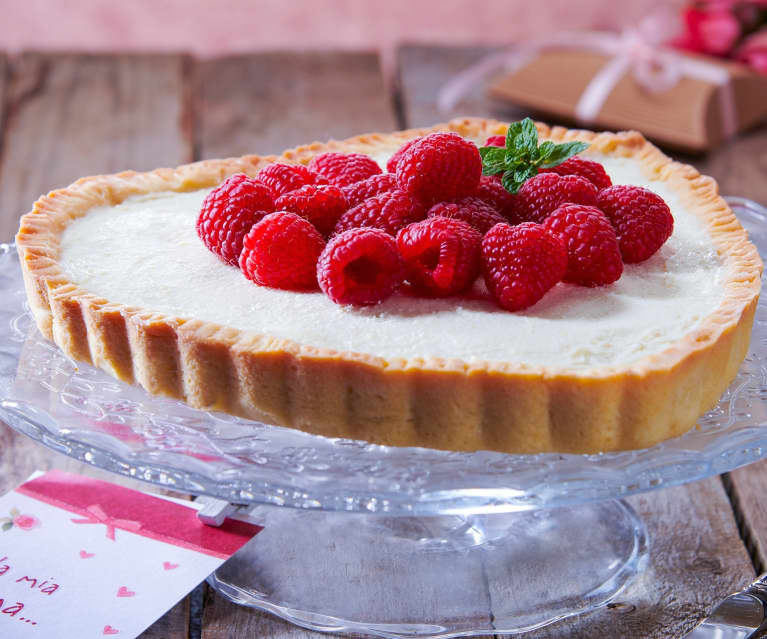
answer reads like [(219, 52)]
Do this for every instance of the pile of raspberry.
[(432, 224)]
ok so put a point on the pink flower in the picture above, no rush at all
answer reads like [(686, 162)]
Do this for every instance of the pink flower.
[(753, 51), (713, 30), (26, 522)]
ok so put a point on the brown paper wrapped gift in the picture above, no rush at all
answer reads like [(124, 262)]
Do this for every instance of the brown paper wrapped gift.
[(688, 116)]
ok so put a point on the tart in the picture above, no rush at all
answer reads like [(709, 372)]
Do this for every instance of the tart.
[(116, 277)]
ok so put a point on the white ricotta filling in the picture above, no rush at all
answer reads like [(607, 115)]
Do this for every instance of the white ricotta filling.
[(145, 253)]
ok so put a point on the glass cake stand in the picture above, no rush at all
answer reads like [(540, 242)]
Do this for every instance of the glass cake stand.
[(393, 542)]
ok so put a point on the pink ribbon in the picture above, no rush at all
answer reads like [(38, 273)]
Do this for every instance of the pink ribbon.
[(98, 516), (636, 49)]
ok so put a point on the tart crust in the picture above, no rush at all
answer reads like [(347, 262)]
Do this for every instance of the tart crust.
[(431, 402)]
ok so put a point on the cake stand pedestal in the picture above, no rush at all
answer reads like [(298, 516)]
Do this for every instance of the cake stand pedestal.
[(435, 576), (391, 542)]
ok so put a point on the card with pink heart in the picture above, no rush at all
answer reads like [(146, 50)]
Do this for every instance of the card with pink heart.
[(86, 558)]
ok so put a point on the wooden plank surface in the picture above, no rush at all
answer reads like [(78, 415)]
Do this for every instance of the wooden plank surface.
[(270, 102), (740, 166), (423, 70), (3, 75), (697, 556), (6, 225), (224, 620), (747, 490), (68, 116)]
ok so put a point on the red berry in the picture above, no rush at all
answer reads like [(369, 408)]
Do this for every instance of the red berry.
[(491, 191), (521, 263), (440, 167), (593, 254), (389, 211), (441, 255), (475, 212), (342, 169), (391, 165), (321, 204), (375, 184), (496, 140), (594, 172), (642, 220), (283, 178), (228, 213), (360, 266), (281, 251), (545, 192)]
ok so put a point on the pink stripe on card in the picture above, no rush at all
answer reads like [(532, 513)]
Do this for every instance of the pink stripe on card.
[(114, 507)]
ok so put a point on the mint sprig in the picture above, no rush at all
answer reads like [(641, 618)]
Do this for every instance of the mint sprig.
[(521, 158)]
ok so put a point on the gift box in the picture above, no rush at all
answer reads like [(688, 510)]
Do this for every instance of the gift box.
[(706, 102)]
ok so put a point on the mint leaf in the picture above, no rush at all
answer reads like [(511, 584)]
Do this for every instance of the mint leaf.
[(512, 180), (545, 150), (513, 132), (522, 156), (492, 155), (509, 183), (522, 174), (561, 152), (521, 138), (493, 160), (7, 526), (529, 138)]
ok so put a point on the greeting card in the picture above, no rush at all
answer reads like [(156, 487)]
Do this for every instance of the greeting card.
[(83, 558)]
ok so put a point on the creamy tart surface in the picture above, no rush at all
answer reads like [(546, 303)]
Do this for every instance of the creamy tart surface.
[(117, 276), (144, 253)]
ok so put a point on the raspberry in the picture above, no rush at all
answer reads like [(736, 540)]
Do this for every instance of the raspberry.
[(342, 169), (228, 213), (321, 204), (440, 167), (391, 165), (593, 254), (543, 193), (375, 184), (642, 220), (360, 266), (491, 191), (441, 255), (389, 211), (475, 212), (496, 140), (281, 251), (283, 178), (594, 172), (521, 263)]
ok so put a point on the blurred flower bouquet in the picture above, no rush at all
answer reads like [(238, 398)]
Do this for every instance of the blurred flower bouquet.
[(727, 29)]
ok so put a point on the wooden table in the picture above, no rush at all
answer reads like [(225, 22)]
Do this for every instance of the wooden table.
[(64, 116)]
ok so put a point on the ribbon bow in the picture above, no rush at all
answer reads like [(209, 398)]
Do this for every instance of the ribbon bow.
[(98, 516), (637, 49)]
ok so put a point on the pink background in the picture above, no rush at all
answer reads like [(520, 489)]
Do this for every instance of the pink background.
[(213, 27)]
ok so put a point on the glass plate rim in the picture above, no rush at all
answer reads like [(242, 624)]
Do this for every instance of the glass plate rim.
[(537, 481)]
